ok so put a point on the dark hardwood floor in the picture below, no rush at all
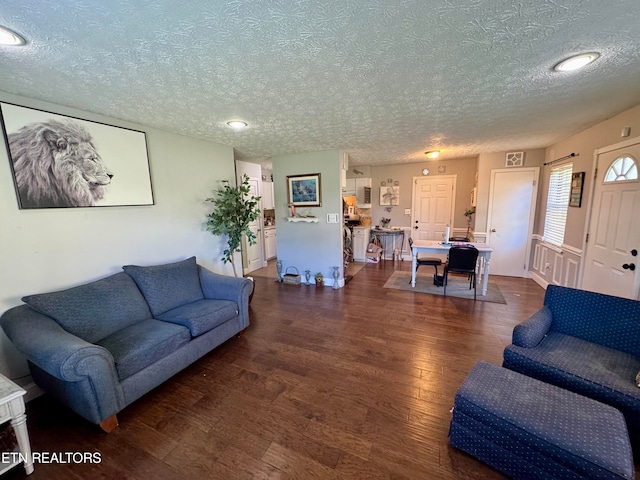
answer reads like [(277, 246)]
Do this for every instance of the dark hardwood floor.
[(355, 383)]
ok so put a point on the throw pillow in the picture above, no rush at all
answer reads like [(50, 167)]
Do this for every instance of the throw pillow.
[(95, 310), (168, 286)]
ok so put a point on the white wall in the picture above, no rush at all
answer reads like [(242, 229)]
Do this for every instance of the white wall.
[(50, 249), (310, 246), (562, 265)]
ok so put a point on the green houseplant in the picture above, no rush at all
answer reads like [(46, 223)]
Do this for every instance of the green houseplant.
[(234, 209), (319, 278)]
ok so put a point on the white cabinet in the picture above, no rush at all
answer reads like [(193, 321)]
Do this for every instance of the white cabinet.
[(344, 160), (360, 241), (267, 196), (270, 243), (350, 187), (363, 192)]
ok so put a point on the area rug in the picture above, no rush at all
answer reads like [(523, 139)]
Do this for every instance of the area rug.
[(458, 286)]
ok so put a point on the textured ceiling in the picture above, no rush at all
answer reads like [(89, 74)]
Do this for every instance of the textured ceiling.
[(384, 80)]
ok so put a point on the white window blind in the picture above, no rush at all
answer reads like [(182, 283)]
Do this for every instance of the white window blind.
[(557, 204)]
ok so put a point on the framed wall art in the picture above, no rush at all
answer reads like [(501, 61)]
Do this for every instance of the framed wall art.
[(577, 184), (59, 161), (389, 195), (304, 190)]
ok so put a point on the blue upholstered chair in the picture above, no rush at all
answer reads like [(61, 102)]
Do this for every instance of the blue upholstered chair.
[(585, 342)]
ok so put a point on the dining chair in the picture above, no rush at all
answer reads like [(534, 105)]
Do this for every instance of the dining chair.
[(462, 260), (431, 261)]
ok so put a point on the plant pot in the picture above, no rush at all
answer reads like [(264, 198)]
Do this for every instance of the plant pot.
[(319, 282)]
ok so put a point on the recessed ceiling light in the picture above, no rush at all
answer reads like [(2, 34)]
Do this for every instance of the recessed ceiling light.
[(576, 62), (8, 37), (432, 153), (237, 124)]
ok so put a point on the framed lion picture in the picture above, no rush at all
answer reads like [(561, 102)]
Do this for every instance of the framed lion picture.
[(59, 161)]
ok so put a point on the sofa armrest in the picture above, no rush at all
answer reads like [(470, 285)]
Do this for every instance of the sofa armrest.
[(530, 333), (62, 355), (224, 287)]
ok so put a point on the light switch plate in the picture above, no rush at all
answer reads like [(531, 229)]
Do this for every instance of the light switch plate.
[(332, 217), (407, 211)]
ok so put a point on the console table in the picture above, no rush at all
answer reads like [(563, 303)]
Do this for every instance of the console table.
[(12, 409), (384, 234)]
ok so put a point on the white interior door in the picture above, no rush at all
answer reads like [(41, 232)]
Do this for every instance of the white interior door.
[(253, 254), (512, 203), (433, 206), (611, 262)]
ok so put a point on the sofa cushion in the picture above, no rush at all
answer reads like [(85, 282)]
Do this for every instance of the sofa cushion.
[(142, 344), (95, 310), (168, 286), (201, 316), (600, 366)]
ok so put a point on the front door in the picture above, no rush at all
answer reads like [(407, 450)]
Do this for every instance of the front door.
[(612, 261), (512, 203), (433, 204)]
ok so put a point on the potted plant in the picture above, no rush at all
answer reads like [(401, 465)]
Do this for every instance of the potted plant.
[(319, 279), (234, 211)]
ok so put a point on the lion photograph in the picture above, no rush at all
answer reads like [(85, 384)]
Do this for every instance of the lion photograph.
[(59, 161), (56, 164)]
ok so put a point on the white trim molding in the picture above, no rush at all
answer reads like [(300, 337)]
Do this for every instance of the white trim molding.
[(555, 265)]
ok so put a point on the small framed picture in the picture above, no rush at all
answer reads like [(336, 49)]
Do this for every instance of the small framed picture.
[(577, 182), (304, 190)]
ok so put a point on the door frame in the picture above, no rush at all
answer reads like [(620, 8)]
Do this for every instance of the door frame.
[(532, 211), (452, 214), (592, 191)]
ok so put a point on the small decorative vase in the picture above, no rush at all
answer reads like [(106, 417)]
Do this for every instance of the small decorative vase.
[(307, 277), (336, 276), (279, 269)]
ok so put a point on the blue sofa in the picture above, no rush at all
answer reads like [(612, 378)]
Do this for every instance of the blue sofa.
[(585, 342), (100, 346)]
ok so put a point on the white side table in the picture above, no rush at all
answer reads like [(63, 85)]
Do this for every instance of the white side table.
[(12, 409)]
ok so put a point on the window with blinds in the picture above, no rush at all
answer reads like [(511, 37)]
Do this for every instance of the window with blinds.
[(557, 204)]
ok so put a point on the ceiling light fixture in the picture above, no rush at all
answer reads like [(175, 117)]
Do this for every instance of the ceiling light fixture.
[(576, 62), (9, 37), (237, 124), (432, 153)]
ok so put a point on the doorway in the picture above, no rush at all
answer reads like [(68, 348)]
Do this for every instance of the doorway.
[(512, 204), (433, 206), (253, 254), (611, 260)]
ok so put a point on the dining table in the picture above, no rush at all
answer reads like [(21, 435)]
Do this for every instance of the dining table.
[(435, 247)]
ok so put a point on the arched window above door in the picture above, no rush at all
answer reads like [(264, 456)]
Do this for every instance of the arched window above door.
[(622, 168)]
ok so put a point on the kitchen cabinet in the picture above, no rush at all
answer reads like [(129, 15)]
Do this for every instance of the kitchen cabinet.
[(350, 187), (270, 243), (363, 192), (267, 196), (360, 241)]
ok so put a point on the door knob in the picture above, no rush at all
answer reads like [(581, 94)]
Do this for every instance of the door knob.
[(415, 228), (493, 230), (634, 252), (629, 266)]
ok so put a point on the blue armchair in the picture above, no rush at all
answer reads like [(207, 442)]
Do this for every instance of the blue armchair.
[(585, 342)]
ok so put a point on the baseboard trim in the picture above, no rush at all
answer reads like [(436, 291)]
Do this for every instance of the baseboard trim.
[(539, 280), (33, 391)]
